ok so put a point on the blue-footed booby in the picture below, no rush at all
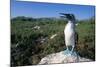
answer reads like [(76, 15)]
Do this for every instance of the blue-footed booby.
[(69, 32)]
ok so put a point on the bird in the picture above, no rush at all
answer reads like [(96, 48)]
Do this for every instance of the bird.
[(71, 36)]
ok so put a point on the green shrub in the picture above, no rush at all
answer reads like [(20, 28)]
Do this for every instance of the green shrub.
[(28, 46)]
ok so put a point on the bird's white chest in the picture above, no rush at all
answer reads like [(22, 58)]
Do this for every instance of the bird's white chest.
[(69, 34), (69, 29)]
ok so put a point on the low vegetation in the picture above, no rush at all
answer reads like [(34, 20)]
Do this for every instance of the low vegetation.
[(31, 39)]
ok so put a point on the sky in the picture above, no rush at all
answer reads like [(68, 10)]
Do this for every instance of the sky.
[(38, 10)]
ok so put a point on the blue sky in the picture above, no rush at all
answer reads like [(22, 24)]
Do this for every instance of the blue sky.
[(37, 10)]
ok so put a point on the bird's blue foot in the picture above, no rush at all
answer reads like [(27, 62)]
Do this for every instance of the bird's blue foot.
[(67, 52)]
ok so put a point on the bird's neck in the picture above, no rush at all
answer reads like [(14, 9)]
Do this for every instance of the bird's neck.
[(70, 21), (70, 25)]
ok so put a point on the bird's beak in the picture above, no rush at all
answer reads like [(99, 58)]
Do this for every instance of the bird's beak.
[(61, 13), (62, 16), (65, 14)]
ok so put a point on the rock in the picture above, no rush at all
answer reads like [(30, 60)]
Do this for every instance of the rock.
[(63, 57)]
